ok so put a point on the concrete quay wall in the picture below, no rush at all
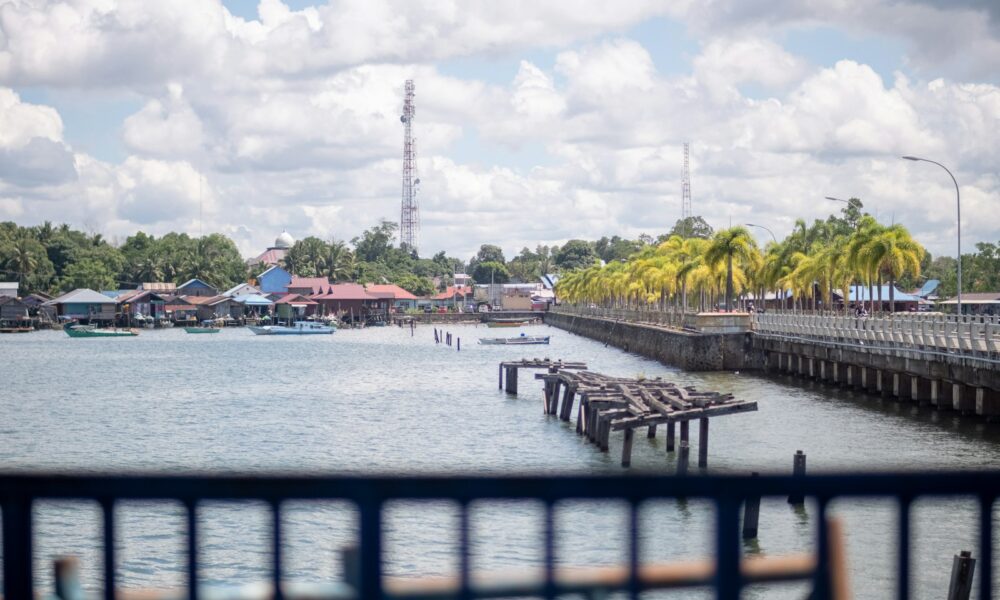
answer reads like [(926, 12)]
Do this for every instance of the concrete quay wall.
[(687, 350)]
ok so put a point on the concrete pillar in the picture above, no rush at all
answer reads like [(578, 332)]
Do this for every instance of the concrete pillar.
[(812, 367), (963, 398), (883, 383), (920, 390), (866, 379), (901, 386), (945, 389), (836, 373), (801, 370), (988, 403), (824, 371), (850, 375)]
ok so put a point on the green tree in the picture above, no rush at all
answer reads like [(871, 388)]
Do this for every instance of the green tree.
[(490, 272), (575, 254), (690, 227), (727, 244), (487, 253), (418, 286), (308, 256), (88, 273), (374, 244)]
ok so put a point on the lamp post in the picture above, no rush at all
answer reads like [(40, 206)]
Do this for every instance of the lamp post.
[(958, 205), (765, 229)]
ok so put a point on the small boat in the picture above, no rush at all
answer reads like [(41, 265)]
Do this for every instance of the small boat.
[(521, 340), (297, 328), (508, 323), (90, 331), (15, 329), (204, 329)]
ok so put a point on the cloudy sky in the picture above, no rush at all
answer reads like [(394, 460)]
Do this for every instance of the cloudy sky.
[(537, 122)]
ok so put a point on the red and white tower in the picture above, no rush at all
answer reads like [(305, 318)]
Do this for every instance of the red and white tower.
[(409, 217)]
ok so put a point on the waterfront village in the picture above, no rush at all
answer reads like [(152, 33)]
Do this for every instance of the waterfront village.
[(274, 295)]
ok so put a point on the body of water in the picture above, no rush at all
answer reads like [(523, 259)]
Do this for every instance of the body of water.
[(379, 400)]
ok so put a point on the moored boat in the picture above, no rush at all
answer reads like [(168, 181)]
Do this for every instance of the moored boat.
[(90, 331), (205, 329), (521, 340), (297, 328), (508, 323)]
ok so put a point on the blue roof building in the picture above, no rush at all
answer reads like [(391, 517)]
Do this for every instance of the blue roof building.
[(274, 281)]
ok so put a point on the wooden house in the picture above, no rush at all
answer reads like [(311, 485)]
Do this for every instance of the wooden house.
[(293, 307), (84, 305), (308, 286), (141, 305), (9, 289), (179, 310), (401, 299), (215, 307), (348, 299), (196, 287), (14, 311)]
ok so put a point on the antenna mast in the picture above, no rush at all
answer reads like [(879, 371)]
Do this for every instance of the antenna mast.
[(686, 184), (409, 217)]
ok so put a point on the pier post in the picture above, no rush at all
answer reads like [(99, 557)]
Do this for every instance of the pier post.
[(500, 377), (512, 380), (963, 567), (682, 458), (567, 403), (812, 368), (751, 515), (867, 383), (850, 376), (458, 345), (627, 447), (901, 386), (882, 383), (836, 373), (946, 396), (963, 398), (670, 436), (920, 389), (987, 403), (651, 432), (684, 431), (605, 431), (801, 370), (935, 393), (798, 470), (702, 443)]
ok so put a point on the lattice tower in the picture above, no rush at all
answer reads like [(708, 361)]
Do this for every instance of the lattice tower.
[(686, 184), (409, 217)]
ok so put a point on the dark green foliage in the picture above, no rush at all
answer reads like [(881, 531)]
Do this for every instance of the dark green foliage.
[(691, 227), (575, 254), (490, 272)]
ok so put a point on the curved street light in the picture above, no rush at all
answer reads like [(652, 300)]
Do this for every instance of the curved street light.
[(765, 229), (837, 199), (958, 203)]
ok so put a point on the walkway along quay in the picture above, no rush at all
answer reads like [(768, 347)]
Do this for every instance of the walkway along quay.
[(950, 362), (619, 404)]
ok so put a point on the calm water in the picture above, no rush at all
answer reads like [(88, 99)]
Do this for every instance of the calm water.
[(380, 400)]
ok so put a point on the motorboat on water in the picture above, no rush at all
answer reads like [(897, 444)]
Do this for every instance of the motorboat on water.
[(521, 340), (75, 330), (296, 328)]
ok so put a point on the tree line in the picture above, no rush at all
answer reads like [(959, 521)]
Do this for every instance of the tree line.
[(706, 269)]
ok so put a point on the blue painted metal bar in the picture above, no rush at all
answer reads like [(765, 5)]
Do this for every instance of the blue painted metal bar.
[(903, 558), (110, 562), (728, 582), (192, 548), (17, 572), (276, 550)]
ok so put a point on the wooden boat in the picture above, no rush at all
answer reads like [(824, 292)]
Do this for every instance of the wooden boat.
[(15, 329), (90, 331), (297, 328), (205, 329), (508, 323), (521, 340)]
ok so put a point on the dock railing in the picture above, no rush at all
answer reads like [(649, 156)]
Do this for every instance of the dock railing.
[(727, 573), (652, 315)]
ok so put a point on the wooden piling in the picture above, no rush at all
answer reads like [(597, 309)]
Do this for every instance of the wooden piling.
[(567, 403), (627, 447), (684, 431), (702, 443), (682, 458), (458, 344), (437, 340), (651, 432), (500, 376), (751, 515), (798, 470), (670, 436), (963, 567)]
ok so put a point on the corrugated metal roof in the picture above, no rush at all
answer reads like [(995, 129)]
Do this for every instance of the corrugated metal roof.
[(857, 291), (346, 291), (314, 284), (392, 290), (81, 296), (254, 300), (294, 300)]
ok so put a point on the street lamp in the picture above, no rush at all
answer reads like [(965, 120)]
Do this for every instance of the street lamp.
[(765, 229), (958, 204), (838, 199)]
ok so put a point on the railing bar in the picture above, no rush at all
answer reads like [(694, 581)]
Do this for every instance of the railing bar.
[(465, 592), (633, 551), (986, 547), (370, 554), (821, 589), (550, 559), (276, 536), (903, 558), (110, 585), (727, 551), (192, 549), (17, 552)]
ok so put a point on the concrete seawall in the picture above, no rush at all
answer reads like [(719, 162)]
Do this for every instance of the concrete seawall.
[(689, 351)]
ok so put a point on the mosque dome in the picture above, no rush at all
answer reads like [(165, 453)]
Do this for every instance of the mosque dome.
[(285, 240)]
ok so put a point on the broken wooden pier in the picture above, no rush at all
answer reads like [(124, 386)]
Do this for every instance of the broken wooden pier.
[(508, 370), (608, 404)]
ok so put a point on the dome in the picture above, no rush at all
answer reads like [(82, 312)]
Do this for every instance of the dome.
[(285, 240)]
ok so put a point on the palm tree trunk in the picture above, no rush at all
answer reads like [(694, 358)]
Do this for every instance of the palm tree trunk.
[(892, 293), (729, 283)]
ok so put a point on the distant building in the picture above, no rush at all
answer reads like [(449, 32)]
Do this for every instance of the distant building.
[(276, 253), (196, 287), (308, 285), (9, 288), (401, 299), (238, 291), (975, 303), (13, 311), (159, 286), (83, 304)]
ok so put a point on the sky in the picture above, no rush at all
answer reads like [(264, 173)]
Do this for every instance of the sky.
[(536, 122)]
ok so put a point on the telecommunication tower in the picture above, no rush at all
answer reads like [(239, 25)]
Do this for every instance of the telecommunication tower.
[(409, 217), (686, 184)]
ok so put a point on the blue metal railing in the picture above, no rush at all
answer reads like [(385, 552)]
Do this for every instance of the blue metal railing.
[(370, 494)]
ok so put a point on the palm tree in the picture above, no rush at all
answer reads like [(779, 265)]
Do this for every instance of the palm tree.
[(859, 256), (895, 253), (23, 259), (338, 263), (727, 244)]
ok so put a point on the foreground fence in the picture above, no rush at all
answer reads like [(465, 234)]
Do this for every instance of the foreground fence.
[(727, 574), (655, 316)]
